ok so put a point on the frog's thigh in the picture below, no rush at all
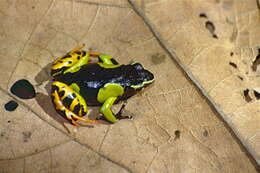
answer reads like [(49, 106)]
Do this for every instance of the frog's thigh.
[(69, 98), (108, 95)]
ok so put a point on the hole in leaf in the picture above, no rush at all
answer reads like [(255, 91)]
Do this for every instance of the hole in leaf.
[(215, 36), (240, 78), (210, 26), (257, 94), (256, 61), (231, 53), (247, 96), (205, 133), (203, 15), (26, 136), (233, 64), (177, 134)]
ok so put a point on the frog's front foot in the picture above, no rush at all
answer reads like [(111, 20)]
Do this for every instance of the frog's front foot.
[(108, 114), (119, 114)]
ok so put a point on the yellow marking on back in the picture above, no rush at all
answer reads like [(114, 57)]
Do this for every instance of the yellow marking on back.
[(73, 60), (108, 65), (66, 61), (76, 67)]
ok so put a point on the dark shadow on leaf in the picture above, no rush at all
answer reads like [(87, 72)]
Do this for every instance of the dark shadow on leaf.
[(43, 75), (45, 102)]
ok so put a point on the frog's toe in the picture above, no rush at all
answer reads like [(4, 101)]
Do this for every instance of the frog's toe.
[(121, 109), (120, 117), (119, 114), (84, 120), (75, 123), (101, 118)]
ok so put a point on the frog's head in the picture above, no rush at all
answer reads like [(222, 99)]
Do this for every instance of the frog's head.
[(63, 64), (145, 77)]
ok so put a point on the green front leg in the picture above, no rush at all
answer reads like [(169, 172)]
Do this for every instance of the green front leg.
[(106, 61), (106, 110)]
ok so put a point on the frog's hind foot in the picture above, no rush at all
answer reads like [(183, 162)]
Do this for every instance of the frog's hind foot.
[(84, 120), (69, 103), (78, 48)]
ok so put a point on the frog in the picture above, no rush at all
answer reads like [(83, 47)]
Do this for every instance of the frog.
[(79, 82)]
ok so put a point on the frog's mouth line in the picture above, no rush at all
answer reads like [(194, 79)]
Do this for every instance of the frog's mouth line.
[(144, 84)]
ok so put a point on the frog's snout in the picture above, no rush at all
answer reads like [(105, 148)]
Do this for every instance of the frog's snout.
[(148, 76)]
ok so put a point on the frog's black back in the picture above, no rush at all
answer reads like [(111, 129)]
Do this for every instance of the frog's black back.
[(90, 78)]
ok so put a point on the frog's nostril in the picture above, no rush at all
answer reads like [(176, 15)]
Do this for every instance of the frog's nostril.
[(138, 66), (150, 76)]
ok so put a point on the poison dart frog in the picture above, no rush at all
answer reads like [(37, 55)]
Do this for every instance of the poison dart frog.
[(79, 83)]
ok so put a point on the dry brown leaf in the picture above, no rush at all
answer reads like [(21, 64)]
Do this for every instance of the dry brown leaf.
[(216, 43)]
